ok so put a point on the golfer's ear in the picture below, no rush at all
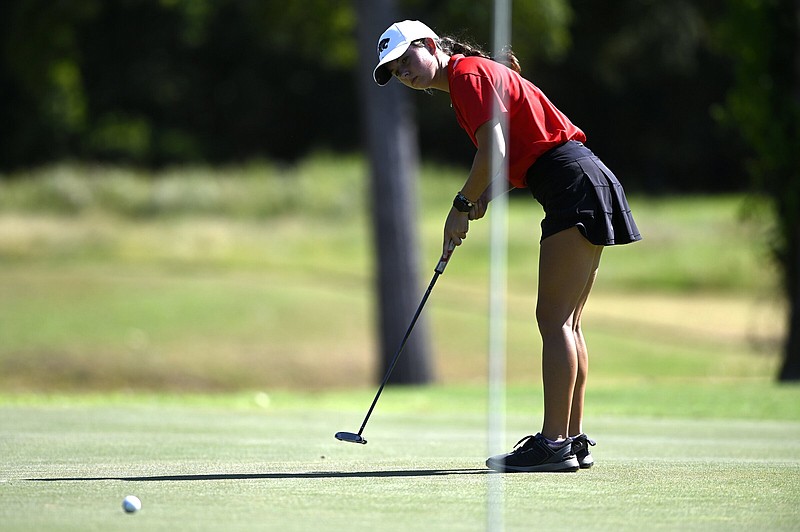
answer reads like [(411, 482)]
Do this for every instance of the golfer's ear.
[(430, 44)]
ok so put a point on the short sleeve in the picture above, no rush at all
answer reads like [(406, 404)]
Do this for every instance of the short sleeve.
[(474, 97)]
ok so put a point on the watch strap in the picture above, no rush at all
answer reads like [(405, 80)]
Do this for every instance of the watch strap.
[(461, 203)]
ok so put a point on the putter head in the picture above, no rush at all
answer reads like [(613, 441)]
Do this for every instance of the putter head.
[(350, 437)]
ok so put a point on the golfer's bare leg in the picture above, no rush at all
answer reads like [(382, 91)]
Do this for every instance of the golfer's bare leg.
[(566, 264), (576, 413)]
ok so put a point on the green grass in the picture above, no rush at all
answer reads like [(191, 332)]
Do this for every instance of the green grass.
[(196, 338), (242, 463)]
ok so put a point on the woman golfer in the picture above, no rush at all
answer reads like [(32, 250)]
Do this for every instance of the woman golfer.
[(584, 204)]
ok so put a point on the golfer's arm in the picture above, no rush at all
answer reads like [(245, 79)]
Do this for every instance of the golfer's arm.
[(489, 136)]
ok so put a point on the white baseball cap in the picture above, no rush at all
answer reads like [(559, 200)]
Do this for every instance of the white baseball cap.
[(394, 42)]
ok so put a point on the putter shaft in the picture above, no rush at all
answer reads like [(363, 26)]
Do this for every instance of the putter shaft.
[(436, 273)]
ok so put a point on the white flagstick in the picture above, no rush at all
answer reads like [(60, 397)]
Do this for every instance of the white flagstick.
[(498, 218)]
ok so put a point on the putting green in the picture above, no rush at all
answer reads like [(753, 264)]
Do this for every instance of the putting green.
[(219, 466)]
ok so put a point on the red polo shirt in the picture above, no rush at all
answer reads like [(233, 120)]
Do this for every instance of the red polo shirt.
[(535, 124)]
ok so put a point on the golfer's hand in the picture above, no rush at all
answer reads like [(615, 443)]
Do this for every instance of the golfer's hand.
[(455, 229), (478, 209)]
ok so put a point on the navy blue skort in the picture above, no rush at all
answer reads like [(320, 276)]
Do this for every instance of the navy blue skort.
[(577, 190)]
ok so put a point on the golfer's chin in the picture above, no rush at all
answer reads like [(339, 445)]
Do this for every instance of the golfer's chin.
[(416, 83)]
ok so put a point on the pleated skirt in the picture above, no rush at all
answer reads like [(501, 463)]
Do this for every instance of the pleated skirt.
[(576, 189)]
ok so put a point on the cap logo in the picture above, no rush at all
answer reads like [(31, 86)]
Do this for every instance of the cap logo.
[(383, 45)]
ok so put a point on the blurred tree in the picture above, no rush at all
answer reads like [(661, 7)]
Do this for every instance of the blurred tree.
[(389, 132), (154, 82), (159, 81), (44, 102), (763, 36), (641, 79), (220, 80)]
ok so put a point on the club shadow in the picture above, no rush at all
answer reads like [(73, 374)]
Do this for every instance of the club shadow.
[(276, 476)]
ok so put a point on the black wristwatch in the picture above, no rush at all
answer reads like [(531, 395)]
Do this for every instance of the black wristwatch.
[(461, 203)]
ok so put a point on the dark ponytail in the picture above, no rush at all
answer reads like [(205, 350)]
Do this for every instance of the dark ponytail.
[(451, 46)]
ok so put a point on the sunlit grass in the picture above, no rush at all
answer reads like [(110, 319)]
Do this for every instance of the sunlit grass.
[(672, 457)]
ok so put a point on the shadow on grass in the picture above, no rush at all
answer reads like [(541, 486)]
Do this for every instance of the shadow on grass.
[(276, 476)]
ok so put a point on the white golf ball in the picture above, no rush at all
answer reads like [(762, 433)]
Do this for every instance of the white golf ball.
[(131, 504)]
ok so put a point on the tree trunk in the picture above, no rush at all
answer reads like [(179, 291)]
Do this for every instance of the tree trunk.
[(389, 132)]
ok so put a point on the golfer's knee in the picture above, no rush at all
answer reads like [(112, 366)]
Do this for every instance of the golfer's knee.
[(553, 323)]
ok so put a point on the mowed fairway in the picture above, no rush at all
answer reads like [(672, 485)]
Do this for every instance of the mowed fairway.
[(230, 464)]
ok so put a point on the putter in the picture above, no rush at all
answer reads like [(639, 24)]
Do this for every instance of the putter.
[(439, 270)]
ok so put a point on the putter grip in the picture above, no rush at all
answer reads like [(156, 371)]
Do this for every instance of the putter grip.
[(444, 260)]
